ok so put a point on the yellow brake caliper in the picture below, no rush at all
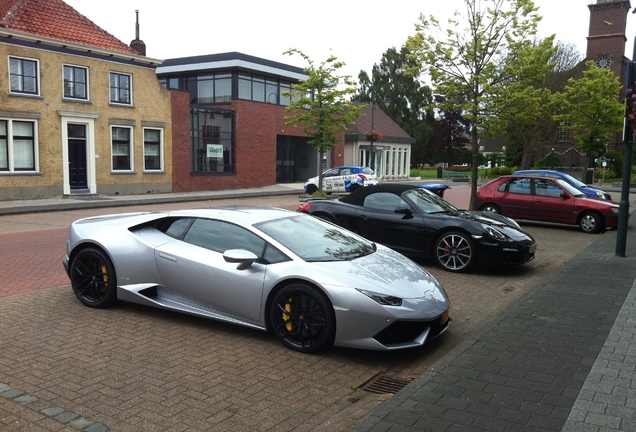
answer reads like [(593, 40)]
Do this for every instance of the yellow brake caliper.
[(286, 317), (105, 275)]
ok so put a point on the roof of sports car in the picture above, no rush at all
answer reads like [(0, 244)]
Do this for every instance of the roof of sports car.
[(237, 213), (357, 197)]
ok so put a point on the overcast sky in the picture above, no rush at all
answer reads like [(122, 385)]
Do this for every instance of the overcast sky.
[(358, 32)]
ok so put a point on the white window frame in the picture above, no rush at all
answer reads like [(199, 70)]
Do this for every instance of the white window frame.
[(161, 152), (11, 151), (37, 76), (74, 98), (131, 147), (118, 102)]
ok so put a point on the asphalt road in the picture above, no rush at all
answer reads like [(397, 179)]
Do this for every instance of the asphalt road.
[(134, 368)]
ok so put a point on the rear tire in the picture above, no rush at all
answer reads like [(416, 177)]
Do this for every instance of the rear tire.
[(492, 208)]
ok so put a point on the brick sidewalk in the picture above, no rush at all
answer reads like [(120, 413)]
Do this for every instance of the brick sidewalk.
[(561, 358)]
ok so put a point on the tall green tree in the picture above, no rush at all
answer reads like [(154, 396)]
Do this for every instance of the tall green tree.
[(534, 109), (592, 109), (465, 59), (401, 96), (320, 104), (525, 105)]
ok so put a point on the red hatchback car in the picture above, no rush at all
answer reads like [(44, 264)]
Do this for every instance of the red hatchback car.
[(547, 200)]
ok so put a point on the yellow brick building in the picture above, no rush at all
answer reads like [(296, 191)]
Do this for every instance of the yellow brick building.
[(78, 117)]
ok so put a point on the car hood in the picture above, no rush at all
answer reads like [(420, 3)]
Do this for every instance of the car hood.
[(386, 272), (500, 222)]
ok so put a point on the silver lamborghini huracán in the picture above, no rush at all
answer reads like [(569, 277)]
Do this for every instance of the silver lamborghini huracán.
[(309, 282)]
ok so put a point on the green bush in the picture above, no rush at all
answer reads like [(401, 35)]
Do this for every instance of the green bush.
[(604, 175), (499, 171), (615, 162)]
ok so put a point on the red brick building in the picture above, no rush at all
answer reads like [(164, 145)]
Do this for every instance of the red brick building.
[(238, 135)]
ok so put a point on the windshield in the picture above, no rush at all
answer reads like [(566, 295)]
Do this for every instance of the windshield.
[(568, 187), (315, 240), (575, 182), (428, 202)]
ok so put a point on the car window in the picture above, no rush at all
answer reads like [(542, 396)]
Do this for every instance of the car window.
[(384, 201), (220, 236), (428, 202), (547, 188), (516, 185), (330, 173), (346, 171), (367, 171), (178, 227)]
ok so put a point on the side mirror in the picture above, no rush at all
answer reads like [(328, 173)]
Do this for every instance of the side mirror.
[(404, 211), (242, 257), (565, 196)]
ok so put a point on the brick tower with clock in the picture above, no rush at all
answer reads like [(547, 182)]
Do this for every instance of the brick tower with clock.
[(606, 40), (606, 43)]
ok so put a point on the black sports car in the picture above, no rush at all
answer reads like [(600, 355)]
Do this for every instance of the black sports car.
[(421, 224)]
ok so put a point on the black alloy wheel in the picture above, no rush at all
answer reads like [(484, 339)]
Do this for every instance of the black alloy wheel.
[(93, 278), (302, 318)]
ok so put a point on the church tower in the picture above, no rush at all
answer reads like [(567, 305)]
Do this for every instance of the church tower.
[(606, 40)]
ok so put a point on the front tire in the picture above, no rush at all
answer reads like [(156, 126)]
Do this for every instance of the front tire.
[(590, 222), (93, 278), (302, 318), (455, 252), (311, 189)]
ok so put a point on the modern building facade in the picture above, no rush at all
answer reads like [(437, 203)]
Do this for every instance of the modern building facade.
[(80, 111), (238, 133)]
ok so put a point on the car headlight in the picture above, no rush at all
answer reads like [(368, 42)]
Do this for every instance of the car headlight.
[(600, 194), (495, 233), (615, 210), (383, 299)]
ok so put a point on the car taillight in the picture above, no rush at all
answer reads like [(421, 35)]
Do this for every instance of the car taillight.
[(362, 176), (304, 207)]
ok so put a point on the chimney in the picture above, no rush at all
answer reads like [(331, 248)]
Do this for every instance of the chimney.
[(137, 44)]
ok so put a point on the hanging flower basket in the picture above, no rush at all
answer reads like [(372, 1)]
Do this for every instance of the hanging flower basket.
[(373, 135)]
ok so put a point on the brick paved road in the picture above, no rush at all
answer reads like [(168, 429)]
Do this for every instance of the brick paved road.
[(132, 368)]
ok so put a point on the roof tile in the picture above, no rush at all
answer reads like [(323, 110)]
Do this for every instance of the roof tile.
[(56, 20)]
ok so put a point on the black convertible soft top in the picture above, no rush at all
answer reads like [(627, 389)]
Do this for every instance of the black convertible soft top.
[(357, 197)]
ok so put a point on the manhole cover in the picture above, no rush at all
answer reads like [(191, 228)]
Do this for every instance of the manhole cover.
[(382, 384)]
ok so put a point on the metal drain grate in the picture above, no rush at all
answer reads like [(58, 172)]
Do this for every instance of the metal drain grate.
[(383, 384)]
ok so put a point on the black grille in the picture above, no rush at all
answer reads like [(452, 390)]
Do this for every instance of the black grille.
[(407, 331), (401, 331)]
